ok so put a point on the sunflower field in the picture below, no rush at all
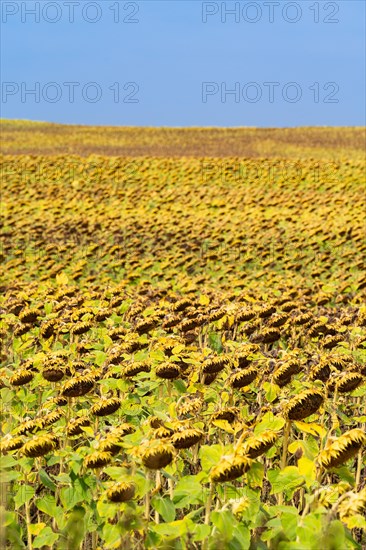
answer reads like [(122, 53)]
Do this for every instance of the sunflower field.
[(183, 357)]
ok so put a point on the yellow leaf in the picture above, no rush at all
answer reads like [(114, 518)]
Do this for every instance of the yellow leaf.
[(224, 397), (36, 528), (172, 410), (356, 521), (177, 349), (204, 300), (306, 467), (223, 425), (312, 428), (295, 446), (62, 279)]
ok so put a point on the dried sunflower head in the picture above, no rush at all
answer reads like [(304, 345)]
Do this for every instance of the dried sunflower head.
[(230, 467), (243, 377), (48, 328), (349, 382), (267, 335), (98, 459), (342, 449), (135, 368), (81, 327), (167, 370), (158, 456), (304, 404), (11, 444), (21, 377), (283, 374), (112, 444), (75, 425), (163, 433), (230, 414), (355, 504), (77, 386), (40, 446), (186, 438), (121, 492), (53, 372), (29, 315), (321, 371), (190, 406), (30, 426), (215, 364), (257, 445), (106, 406), (123, 429), (51, 418)]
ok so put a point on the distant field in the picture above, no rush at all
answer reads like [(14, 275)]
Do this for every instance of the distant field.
[(184, 338), (22, 137)]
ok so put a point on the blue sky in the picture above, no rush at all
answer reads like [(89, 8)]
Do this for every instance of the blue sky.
[(174, 63)]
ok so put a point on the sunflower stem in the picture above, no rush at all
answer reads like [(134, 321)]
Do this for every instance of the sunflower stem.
[(157, 489), (209, 503), (28, 520), (359, 468), (284, 453)]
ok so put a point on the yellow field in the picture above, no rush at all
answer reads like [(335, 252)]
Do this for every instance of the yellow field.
[(184, 338)]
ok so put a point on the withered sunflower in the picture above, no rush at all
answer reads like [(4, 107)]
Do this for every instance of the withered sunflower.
[(158, 456), (135, 368), (350, 382), (81, 327), (167, 370), (77, 386), (283, 374), (12, 444), (304, 404), (106, 406), (243, 377), (342, 449), (40, 446), (21, 377), (229, 468), (98, 459), (54, 372), (75, 425), (257, 445), (121, 492), (186, 438)]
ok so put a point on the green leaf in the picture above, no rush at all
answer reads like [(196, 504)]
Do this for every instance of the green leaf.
[(272, 391), (225, 522), (255, 474), (46, 538), (7, 461), (188, 491), (165, 507), (47, 505), (180, 386), (9, 475), (174, 529), (46, 480), (289, 522), (284, 480), (210, 455), (242, 535), (214, 341), (100, 357), (269, 422), (70, 497), (111, 536), (23, 495), (201, 532)]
